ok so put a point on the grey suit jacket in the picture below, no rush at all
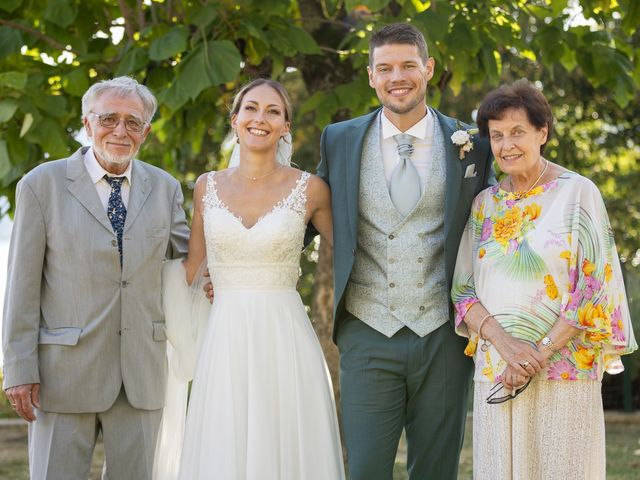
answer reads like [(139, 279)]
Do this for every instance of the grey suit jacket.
[(341, 152), (74, 321)]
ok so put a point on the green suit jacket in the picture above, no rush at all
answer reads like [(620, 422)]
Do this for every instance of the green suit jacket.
[(340, 154)]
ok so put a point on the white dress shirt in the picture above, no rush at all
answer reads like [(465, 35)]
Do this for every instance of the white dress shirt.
[(422, 144), (97, 173)]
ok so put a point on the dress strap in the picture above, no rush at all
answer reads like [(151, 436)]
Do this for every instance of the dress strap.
[(210, 198), (297, 200)]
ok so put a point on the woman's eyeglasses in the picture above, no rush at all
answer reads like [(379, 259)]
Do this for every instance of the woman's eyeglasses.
[(493, 397), (111, 120)]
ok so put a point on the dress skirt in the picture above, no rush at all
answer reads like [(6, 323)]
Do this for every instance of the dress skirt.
[(261, 404), (552, 430)]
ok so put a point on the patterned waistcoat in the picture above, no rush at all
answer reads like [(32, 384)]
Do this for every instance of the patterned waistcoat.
[(398, 277)]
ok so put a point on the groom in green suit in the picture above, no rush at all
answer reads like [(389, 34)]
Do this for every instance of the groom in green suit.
[(401, 192)]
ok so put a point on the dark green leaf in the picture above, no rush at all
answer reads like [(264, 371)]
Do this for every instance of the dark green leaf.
[(434, 25), (169, 44), (204, 16), (53, 105), (76, 82), (10, 5), (303, 41), (133, 61), (61, 12), (10, 41)]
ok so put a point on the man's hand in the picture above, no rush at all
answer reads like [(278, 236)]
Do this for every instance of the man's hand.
[(23, 398)]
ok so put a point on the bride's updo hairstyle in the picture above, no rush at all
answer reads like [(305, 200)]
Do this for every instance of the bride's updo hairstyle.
[(284, 96)]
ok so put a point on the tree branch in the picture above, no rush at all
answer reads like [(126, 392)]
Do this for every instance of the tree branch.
[(38, 34)]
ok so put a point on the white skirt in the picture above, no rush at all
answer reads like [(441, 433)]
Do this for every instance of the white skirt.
[(261, 404), (552, 430)]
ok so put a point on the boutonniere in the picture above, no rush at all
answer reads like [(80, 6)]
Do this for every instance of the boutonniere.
[(462, 138)]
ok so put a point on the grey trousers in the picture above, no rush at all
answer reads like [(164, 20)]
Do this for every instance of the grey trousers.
[(387, 384), (61, 444)]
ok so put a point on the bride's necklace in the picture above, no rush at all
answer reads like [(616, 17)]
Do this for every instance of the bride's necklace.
[(259, 176), (521, 195)]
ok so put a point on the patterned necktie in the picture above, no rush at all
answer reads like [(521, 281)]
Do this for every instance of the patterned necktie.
[(116, 210), (404, 188)]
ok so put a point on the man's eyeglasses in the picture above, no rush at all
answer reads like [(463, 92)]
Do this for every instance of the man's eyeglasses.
[(111, 120), (493, 397)]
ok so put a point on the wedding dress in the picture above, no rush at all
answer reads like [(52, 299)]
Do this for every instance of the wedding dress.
[(261, 404)]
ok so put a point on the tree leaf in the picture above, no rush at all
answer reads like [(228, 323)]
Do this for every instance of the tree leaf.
[(10, 5), (76, 82), (54, 105), (303, 41), (61, 12), (169, 44), (223, 61), (5, 161), (10, 41), (204, 16), (26, 124), (135, 59), (435, 25), (373, 5), (7, 109), (14, 80)]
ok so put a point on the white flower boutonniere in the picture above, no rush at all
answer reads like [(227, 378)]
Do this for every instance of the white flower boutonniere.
[(462, 138)]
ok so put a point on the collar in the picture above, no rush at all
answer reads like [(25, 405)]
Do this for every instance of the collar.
[(97, 173), (418, 130)]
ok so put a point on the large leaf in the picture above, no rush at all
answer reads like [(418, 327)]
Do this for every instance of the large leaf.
[(435, 25), (51, 137), (53, 105), (302, 41), (133, 61), (10, 5), (5, 162), (14, 80), (169, 44), (204, 16), (76, 82), (213, 63), (61, 12), (10, 41), (7, 109)]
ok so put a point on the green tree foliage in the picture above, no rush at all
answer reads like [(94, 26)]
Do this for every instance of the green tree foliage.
[(194, 55)]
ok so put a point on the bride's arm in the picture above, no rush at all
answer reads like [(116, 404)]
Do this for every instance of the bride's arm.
[(319, 203), (197, 248)]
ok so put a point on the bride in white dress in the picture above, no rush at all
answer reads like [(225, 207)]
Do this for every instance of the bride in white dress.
[(261, 404)]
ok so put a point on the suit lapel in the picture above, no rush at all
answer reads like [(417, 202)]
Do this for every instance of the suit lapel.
[(83, 189), (353, 153), (140, 190), (454, 172)]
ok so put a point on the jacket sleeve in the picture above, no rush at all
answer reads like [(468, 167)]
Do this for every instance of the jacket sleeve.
[(21, 320), (179, 238)]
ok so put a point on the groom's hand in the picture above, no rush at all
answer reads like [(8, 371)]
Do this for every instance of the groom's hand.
[(23, 398)]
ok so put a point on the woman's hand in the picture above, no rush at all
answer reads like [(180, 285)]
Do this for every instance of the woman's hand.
[(522, 358), (512, 380)]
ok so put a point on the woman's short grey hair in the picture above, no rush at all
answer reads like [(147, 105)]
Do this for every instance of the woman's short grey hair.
[(123, 87)]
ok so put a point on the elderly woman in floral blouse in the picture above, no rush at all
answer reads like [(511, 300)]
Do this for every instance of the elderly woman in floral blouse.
[(538, 290)]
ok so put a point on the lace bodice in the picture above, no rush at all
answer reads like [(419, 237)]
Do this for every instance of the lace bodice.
[(265, 256)]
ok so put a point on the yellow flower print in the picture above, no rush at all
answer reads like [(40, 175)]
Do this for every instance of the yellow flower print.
[(584, 357), (552, 289), (593, 316), (536, 191), (508, 226), (481, 253), (608, 272), (471, 347), (532, 211), (587, 267), (566, 254)]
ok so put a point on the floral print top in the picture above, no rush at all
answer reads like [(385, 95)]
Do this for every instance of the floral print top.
[(545, 258)]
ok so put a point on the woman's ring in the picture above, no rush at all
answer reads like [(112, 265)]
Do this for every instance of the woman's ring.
[(525, 364)]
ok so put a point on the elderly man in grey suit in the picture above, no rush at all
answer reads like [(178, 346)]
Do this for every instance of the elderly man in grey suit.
[(401, 193), (83, 331)]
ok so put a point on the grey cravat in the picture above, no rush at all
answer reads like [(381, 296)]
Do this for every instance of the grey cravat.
[(404, 188)]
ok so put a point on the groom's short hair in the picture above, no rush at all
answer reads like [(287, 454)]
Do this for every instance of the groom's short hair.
[(398, 33)]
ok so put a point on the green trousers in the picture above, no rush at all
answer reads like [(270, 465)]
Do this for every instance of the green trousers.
[(387, 384)]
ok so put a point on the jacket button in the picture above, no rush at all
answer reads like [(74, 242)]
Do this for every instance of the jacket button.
[(420, 260), (392, 285), (124, 284), (114, 243), (392, 308), (422, 308), (420, 285), (353, 251), (392, 236)]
